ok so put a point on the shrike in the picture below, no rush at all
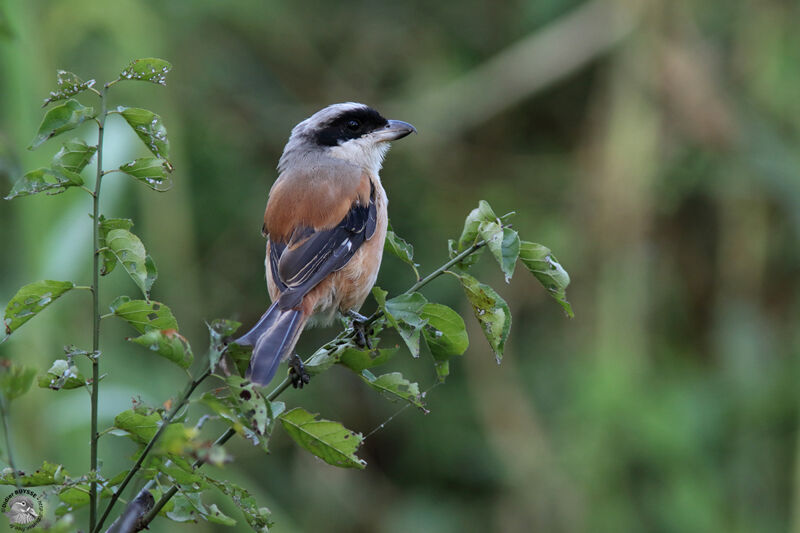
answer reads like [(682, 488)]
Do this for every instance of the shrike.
[(325, 224)]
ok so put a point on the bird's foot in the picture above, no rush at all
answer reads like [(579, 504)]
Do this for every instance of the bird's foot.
[(297, 372), (361, 335)]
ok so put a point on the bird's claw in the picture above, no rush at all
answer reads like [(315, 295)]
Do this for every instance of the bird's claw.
[(360, 333), (297, 372)]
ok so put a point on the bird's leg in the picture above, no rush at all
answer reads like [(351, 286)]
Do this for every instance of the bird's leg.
[(360, 329), (297, 372)]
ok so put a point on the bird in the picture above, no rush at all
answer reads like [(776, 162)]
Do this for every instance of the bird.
[(325, 223)]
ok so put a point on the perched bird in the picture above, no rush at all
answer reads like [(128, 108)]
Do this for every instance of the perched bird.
[(325, 224)]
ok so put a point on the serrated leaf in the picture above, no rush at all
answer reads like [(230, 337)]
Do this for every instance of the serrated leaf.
[(67, 85), (144, 316), (149, 69), (546, 268), (73, 156), (330, 441), (139, 424), (62, 375), (130, 252), (400, 248), (395, 387), (151, 171), (446, 335), (49, 180), (15, 379), (403, 314), (47, 474), (106, 226), (169, 344), (504, 245), (149, 128), (490, 310), (61, 118), (31, 300)]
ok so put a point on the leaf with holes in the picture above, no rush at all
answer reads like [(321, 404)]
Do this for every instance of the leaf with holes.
[(220, 332), (130, 252), (169, 344), (546, 268), (151, 171), (61, 118), (49, 180), (328, 440), (490, 310), (106, 226), (62, 375), (67, 85), (47, 474), (401, 249), (144, 316), (395, 387), (445, 334), (149, 69), (149, 128), (504, 245), (31, 300), (73, 156), (257, 517)]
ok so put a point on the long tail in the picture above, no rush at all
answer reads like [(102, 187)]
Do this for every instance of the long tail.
[(273, 339)]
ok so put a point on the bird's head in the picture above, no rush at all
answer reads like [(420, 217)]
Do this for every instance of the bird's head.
[(353, 132)]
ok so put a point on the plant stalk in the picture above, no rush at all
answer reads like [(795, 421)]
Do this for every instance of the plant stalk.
[(9, 452), (96, 308)]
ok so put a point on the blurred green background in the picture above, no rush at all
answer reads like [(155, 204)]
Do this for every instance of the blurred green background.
[(652, 145)]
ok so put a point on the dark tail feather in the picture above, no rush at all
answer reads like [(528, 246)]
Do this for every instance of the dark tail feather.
[(273, 339)]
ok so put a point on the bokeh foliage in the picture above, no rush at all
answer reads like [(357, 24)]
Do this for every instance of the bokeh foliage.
[(652, 145)]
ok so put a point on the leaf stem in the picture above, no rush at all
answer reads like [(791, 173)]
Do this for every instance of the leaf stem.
[(190, 387), (9, 452), (96, 308)]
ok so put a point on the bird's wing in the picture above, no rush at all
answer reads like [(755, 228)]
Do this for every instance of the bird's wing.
[(310, 255)]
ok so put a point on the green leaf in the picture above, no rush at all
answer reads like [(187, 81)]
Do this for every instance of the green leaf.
[(67, 85), (257, 517), (61, 118), (49, 180), (445, 334), (469, 235), (106, 226), (490, 310), (144, 316), (62, 375), (149, 128), (73, 156), (15, 379), (151, 171), (245, 410), (216, 516), (404, 314), (546, 268), (400, 248), (395, 387), (357, 359), (169, 344), (130, 252), (182, 510), (31, 299), (149, 69), (47, 474), (330, 441), (140, 424), (504, 245), (220, 332)]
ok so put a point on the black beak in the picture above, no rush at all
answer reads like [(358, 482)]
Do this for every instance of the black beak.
[(395, 129)]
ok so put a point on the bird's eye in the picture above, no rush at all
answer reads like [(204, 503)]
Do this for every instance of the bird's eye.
[(353, 125)]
